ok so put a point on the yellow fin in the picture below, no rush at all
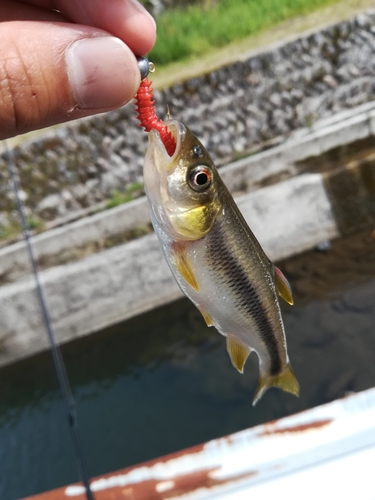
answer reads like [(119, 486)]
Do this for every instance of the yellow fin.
[(183, 266), (209, 321), (285, 381), (282, 286), (238, 352)]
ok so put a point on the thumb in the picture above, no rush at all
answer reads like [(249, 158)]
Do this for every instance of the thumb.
[(54, 72)]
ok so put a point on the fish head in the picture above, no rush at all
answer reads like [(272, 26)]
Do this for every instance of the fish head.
[(182, 189)]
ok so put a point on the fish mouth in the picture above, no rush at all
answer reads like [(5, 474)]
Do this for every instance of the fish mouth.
[(159, 165), (157, 148)]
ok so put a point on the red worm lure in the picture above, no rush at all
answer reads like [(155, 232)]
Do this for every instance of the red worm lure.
[(145, 107)]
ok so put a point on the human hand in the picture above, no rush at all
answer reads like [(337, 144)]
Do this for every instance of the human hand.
[(59, 66)]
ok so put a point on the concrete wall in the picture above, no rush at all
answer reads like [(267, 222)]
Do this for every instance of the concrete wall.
[(109, 286), (129, 279), (90, 158), (97, 232)]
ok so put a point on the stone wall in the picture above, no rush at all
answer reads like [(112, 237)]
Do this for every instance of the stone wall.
[(233, 110)]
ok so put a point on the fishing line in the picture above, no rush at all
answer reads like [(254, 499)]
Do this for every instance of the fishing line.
[(67, 396)]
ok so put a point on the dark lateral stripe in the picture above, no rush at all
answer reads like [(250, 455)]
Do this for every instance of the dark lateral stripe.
[(247, 296)]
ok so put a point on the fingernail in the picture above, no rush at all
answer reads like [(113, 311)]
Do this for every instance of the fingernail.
[(142, 10), (102, 72)]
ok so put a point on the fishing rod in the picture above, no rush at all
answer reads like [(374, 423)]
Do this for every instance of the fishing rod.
[(66, 392)]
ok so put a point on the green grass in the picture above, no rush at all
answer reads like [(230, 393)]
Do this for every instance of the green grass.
[(118, 197), (194, 31), (13, 229)]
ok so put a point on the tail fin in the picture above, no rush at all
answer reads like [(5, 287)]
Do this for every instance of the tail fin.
[(284, 380)]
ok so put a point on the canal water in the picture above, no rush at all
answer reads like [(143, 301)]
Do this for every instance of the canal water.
[(163, 381)]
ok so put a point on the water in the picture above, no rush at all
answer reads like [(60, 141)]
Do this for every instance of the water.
[(163, 381)]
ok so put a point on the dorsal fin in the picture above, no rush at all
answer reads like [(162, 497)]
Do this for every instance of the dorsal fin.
[(282, 286)]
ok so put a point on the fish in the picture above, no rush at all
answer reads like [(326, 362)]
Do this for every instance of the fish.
[(215, 258)]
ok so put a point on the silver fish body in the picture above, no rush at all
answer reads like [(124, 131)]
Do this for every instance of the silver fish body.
[(215, 258)]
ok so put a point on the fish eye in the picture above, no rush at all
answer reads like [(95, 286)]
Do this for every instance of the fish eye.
[(200, 178)]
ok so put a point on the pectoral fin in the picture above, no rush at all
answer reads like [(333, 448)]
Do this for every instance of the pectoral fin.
[(183, 266), (282, 286), (285, 381), (238, 352)]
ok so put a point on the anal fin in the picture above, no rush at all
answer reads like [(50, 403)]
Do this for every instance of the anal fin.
[(238, 352), (282, 286), (284, 380)]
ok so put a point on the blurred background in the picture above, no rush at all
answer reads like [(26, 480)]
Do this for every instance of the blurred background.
[(282, 94)]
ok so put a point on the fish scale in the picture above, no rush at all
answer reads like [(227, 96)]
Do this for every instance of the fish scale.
[(236, 264)]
